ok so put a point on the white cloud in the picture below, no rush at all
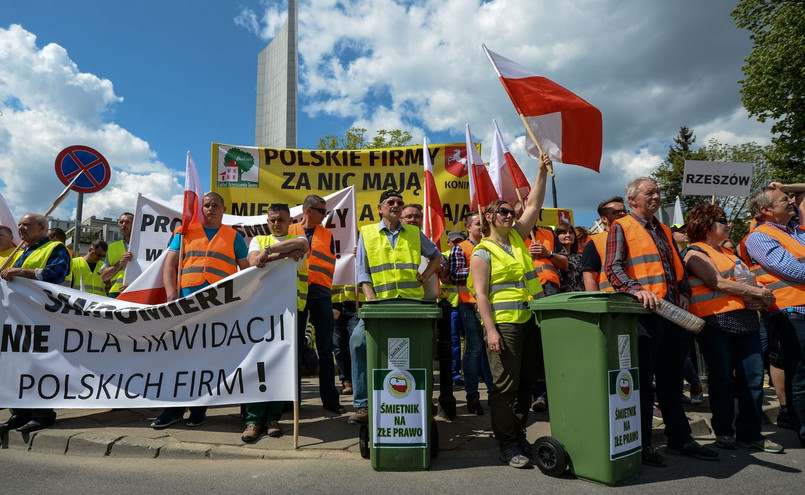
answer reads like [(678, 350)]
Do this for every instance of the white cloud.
[(650, 67), (49, 104)]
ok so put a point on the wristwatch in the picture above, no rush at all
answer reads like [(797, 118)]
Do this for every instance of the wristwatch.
[(268, 249), (550, 255)]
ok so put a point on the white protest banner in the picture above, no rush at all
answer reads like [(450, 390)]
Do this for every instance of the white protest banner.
[(230, 343), (717, 178), (155, 220)]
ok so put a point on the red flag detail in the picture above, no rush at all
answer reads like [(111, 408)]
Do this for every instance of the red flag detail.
[(568, 128), (482, 190), (505, 173), (434, 215)]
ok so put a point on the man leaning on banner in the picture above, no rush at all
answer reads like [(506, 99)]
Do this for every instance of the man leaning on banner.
[(48, 261), (118, 256), (85, 271), (210, 251), (319, 305)]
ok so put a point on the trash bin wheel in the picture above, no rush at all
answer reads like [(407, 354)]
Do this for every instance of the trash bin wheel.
[(363, 441), (550, 456), (434, 439)]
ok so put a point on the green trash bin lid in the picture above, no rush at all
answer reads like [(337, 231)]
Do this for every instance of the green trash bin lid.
[(400, 308), (589, 302)]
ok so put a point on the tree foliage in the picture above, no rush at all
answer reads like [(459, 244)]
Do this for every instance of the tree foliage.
[(355, 139), (774, 86)]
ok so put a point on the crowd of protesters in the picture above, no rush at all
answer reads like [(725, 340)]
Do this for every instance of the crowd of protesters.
[(487, 276)]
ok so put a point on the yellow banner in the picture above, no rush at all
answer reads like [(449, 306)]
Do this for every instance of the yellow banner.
[(251, 178)]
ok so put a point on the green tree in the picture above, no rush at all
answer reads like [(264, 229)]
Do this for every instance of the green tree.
[(669, 174), (774, 86), (355, 139)]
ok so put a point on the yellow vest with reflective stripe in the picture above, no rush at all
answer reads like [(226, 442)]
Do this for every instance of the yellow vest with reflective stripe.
[(39, 257), (5, 254), (394, 270), (116, 251), (301, 269), (82, 278), (449, 291), (513, 280), (344, 293)]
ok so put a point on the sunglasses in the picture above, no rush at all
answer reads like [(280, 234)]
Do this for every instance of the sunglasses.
[(323, 211), (505, 212), (394, 202), (722, 221)]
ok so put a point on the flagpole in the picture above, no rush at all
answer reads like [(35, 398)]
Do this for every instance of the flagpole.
[(522, 117), (55, 205)]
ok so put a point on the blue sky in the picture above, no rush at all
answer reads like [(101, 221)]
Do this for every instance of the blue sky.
[(146, 81)]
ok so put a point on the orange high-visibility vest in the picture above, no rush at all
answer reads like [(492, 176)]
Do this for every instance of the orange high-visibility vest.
[(546, 271), (207, 260), (465, 295), (600, 241), (705, 301), (321, 262), (644, 263), (788, 293)]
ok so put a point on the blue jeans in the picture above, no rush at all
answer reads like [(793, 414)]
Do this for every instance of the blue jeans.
[(791, 330), (662, 349), (357, 351), (456, 330), (342, 331), (475, 360), (741, 355)]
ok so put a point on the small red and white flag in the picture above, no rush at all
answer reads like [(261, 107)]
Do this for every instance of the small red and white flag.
[(434, 215), (509, 180), (7, 220), (149, 287), (193, 194), (568, 128), (482, 191)]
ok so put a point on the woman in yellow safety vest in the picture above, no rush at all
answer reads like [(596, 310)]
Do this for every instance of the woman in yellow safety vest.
[(730, 340), (503, 279)]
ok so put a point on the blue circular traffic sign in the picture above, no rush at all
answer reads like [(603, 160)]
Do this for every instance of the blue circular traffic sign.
[(91, 167)]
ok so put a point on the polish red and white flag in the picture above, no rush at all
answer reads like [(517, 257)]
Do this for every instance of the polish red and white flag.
[(568, 128), (193, 194), (434, 215), (482, 191), (509, 180)]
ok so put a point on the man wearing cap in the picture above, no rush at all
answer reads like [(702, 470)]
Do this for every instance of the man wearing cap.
[(475, 360), (386, 264), (48, 261)]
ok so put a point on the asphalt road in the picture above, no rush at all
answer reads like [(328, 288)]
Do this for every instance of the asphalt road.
[(740, 471)]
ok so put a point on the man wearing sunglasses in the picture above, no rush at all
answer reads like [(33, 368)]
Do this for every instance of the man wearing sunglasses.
[(319, 305), (386, 263), (595, 250)]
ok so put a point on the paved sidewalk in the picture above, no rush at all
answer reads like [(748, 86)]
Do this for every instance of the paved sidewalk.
[(322, 434)]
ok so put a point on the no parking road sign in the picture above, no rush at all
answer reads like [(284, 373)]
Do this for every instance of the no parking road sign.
[(92, 166)]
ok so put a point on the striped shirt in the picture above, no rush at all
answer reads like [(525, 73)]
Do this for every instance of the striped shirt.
[(768, 253), (618, 253)]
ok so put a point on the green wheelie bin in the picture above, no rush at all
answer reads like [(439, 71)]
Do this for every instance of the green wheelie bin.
[(589, 342), (401, 435)]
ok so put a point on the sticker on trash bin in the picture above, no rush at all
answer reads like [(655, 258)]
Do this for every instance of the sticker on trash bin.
[(624, 351), (399, 353), (624, 413), (400, 410)]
